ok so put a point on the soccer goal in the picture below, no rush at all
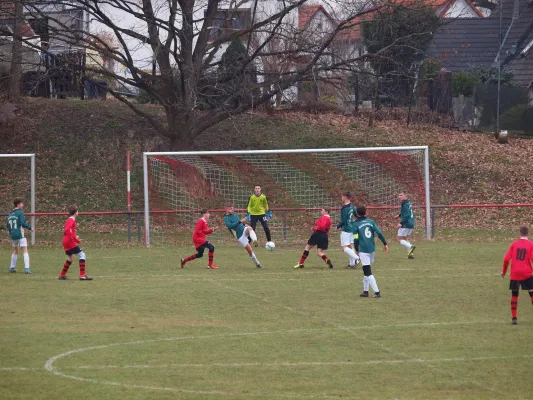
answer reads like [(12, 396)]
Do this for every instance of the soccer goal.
[(297, 184), (17, 180)]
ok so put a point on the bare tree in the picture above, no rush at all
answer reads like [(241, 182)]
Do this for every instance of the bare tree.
[(16, 61), (187, 38)]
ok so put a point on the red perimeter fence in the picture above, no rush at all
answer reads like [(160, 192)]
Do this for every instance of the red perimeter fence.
[(134, 222)]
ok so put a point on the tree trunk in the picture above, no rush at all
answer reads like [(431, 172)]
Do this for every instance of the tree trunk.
[(16, 58)]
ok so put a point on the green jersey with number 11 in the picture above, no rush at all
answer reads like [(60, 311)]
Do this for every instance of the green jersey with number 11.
[(364, 229), (15, 224)]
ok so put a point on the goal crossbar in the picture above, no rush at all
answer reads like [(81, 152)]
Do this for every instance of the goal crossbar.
[(32, 186), (424, 149)]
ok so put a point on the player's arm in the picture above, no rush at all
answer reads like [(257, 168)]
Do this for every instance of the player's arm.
[(231, 223), (22, 220), (380, 235), (344, 218), (507, 259)]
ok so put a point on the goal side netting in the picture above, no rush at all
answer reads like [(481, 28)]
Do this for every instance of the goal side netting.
[(297, 184), (17, 181)]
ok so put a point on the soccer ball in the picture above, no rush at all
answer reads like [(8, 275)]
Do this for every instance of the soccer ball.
[(270, 246)]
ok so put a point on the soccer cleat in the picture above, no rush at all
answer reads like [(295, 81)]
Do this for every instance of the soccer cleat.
[(86, 278), (515, 321), (212, 266), (298, 266), (27, 271), (411, 257), (350, 267), (329, 263), (364, 294), (376, 295), (254, 243), (182, 262), (410, 254), (62, 277), (259, 266), (12, 270)]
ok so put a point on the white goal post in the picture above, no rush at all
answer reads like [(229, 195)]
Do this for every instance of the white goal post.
[(303, 179), (32, 186)]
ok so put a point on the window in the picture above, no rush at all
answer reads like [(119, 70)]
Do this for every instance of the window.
[(227, 22)]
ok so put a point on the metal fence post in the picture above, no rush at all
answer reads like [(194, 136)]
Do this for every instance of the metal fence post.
[(129, 227), (139, 227), (284, 225), (432, 223)]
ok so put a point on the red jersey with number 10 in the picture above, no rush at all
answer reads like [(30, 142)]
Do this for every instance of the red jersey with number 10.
[(520, 254)]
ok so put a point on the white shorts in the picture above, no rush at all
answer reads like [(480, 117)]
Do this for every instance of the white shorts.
[(19, 243), (367, 258), (346, 238), (404, 232), (243, 240)]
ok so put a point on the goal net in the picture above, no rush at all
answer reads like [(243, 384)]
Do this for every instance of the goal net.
[(17, 180), (297, 184)]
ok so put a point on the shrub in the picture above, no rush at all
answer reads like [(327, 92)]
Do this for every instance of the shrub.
[(464, 83), (518, 118)]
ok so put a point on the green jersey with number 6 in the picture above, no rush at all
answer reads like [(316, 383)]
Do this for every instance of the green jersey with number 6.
[(15, 224), (365, 229)]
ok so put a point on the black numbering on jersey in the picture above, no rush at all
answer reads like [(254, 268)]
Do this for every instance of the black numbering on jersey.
[(521, 254)]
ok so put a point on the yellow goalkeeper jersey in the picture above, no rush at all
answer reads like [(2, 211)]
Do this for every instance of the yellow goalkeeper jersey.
[(257, 205)]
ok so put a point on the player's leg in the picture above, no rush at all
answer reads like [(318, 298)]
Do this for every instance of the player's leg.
[(250, 233), (14, 256), (66, 266), (310, 244), (322, 255), (402, 238), (199, 254), (25, 254), (322, 245), (82, 258), (243, 241), (264, 223), (253, 223), (514, 286), (347, 247), (368, 277), (211, 255)]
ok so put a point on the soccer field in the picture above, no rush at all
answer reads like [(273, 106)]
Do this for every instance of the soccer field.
[(146, 329)]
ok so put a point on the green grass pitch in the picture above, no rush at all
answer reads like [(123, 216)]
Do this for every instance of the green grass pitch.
[(147, 329)]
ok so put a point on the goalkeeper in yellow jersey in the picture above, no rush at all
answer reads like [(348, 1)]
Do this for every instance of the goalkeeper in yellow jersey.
[(258, 211)]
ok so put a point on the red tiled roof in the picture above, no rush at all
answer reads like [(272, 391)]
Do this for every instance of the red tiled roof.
[(307, 13)]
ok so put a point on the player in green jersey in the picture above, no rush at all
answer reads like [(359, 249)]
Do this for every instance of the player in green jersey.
[(406, 224), (366, 229), (346, 227), (241, 232), (16, 223)]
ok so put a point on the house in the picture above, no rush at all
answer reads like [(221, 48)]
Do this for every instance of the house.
[(464, 44), (31, 55)]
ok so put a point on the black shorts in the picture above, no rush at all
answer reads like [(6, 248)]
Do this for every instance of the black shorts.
[(75, 250), (319, 239), (527, 284), (200, 249)]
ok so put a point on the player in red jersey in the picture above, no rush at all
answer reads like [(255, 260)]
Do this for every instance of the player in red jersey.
[(200, 242), (520, 254), (319, 238), (71, 245)]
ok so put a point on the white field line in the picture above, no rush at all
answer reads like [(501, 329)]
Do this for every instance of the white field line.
[(367, 339), (49, 365)]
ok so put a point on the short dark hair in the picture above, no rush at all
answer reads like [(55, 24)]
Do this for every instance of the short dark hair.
[(203, 211), (347, 194), (259, 186), (327, 209), (524, 230), (16, 202), (361, 210), (72, 209)]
